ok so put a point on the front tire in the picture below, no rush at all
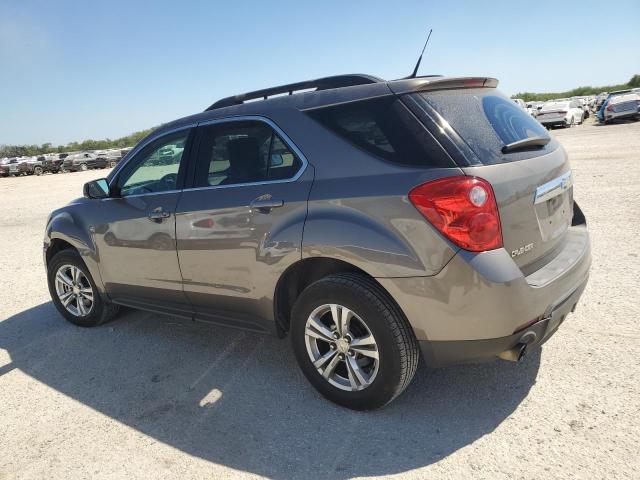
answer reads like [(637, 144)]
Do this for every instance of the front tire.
[(353, 342), (83, 167), (74, 293)]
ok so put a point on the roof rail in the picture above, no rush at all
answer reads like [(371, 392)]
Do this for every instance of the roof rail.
[(325, 83)]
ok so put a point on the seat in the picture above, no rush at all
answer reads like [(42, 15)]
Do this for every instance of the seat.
[(245, 164)]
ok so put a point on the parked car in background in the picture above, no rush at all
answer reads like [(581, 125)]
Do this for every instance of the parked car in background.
[(25, 166), (33, 165), (112, 157), (564, 113), (82, 161), (8, 166), (625, 105), (125, 150), (520, 103), (475, 250), (531, 109), (52, 162)]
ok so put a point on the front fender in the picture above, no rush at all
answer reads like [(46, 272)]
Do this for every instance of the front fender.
[(66, 226)]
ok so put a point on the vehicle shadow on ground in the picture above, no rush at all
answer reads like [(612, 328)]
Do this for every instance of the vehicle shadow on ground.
[(239, 400)]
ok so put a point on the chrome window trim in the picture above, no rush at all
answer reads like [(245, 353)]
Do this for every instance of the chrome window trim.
[(237, 118), (285, 138), (552, 188), (142, 195)]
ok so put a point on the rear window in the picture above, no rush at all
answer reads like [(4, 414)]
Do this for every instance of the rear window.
[(487, 120), (555, 106), (384, 127)]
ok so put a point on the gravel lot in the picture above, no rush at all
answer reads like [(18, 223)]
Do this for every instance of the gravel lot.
[(149, 396)]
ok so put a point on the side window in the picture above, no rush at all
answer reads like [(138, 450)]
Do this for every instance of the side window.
[(385, 128), (156, 166), (283, 163), (235, 153)]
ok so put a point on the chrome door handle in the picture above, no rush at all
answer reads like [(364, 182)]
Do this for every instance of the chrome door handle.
[(265, 204), (158, 214)]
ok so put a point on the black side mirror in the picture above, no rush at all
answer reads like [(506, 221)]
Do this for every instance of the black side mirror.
[(96, 189)]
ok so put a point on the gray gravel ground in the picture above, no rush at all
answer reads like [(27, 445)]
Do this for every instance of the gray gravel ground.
[(148, 396)]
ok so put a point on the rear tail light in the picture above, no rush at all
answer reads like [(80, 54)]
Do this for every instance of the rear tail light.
[(463, 209), (609, 108)]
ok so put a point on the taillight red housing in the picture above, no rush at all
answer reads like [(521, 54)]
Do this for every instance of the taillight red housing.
[(463, 209)]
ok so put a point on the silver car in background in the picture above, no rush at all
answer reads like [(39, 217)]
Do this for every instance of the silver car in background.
[(561, 113), (626, 105)]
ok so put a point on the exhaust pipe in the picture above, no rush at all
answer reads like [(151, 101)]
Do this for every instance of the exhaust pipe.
[(514, 354), (517, 353)]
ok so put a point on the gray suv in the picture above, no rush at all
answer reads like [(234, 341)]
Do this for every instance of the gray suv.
[(368, 220)]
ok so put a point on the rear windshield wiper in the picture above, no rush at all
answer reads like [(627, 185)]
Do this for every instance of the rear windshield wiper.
[(525, 144)]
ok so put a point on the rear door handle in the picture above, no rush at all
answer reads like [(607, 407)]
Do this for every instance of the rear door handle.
[(264, 204), (158, 214)]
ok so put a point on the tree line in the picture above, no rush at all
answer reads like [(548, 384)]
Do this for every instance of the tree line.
[(31, 150), (634, 82)]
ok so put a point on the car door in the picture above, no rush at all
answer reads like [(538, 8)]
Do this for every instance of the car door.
[(134, 231), (240, 226)]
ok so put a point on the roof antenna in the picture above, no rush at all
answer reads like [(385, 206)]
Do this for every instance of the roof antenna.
[(415, 70)]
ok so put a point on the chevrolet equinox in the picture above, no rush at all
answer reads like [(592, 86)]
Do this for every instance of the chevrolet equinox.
[(368, 220)]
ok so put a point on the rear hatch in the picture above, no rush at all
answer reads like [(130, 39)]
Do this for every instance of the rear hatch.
[(531, 178)]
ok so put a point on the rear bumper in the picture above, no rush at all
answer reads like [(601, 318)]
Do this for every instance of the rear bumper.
[(623, 114), (480, 304), (554, 122), (441, 353)]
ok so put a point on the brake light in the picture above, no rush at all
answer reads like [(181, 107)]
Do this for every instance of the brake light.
[(463, 209), (609, 108)]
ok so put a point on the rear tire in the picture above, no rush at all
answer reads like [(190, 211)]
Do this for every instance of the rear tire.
[(83, 167), (75, 291), (377, 327), (38, 171)]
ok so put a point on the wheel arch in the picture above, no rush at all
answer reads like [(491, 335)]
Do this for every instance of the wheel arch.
[(62, 233), (299, 276)]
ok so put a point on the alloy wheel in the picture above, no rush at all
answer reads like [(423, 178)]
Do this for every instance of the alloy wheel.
[(74, 290), (341, 347)]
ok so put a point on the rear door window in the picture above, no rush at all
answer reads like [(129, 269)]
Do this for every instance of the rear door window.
[(243, 152), (486, 120)]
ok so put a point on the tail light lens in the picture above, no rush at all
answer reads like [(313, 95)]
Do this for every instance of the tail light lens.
[(463, 209), (609, 108)]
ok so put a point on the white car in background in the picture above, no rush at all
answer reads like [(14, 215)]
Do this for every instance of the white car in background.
[(565, 113)]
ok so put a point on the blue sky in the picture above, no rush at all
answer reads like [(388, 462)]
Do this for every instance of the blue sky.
[(72, 70)]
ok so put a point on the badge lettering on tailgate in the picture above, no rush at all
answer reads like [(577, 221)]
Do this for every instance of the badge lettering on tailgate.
[(519, 251)]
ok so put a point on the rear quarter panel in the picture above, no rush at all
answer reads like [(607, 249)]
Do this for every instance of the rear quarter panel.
[(359, 210)]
